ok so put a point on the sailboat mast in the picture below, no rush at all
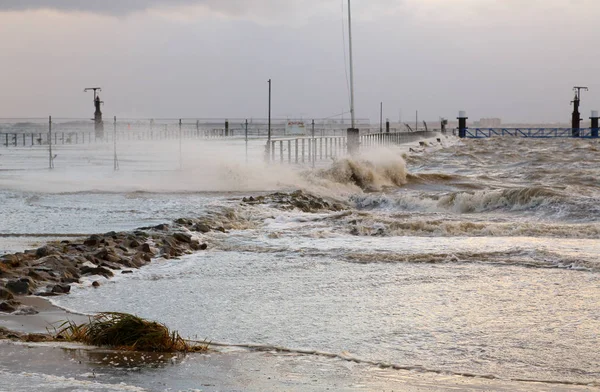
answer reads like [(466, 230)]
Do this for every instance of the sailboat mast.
[(353, 120)]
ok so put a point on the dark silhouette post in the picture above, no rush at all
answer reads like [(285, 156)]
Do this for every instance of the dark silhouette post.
[(268, 147), (381, 117), (594, 126), (576, 119), (50, 156), (98, 123), (462, 124), (246, 138)]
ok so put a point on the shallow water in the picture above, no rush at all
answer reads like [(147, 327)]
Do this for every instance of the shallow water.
[(473, 258)]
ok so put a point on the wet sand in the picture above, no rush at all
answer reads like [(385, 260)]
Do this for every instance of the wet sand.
[(49, 316), (66, 367), (27, 367)]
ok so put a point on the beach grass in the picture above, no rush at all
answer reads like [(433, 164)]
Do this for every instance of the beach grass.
[(126, 332)]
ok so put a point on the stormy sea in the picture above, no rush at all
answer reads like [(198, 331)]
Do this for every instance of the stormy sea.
[(475, 259)]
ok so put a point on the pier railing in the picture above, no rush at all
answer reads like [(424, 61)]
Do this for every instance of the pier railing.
[(26, 132), (308, 150), (480, 133)]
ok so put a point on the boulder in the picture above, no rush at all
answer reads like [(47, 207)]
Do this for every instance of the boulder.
[(6, 307), (85, 270), (42, 252), (111, 265), (61, 289), (202, 228), (146, 248), (96, 284), (26, 311), (183, 237), (92, 241), (18, 287), (127, 272)]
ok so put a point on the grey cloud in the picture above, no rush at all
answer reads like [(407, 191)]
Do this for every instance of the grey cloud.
[(123, 7), (119, 7)]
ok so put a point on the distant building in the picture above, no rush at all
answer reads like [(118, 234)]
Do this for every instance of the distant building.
[(489, 123)]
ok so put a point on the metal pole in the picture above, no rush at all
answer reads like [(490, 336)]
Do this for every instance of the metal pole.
[(314, 144), (51, 158), (381, 118), (269, 128), (352, 116), (268, 151), (246, 141), (417, 121), (116, 161), (180, 155)]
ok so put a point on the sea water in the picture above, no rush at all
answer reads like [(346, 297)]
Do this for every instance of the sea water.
[(477, 257)]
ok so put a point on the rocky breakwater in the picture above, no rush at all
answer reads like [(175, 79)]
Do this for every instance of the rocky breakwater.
[(299, 200), (51, 269)]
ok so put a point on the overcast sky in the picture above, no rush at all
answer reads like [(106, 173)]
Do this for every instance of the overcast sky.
[(514, 59)]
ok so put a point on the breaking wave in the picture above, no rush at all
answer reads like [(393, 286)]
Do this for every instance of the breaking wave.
[(369, 172), (543, 201), (427, 227), (517, 257), (511, 199)]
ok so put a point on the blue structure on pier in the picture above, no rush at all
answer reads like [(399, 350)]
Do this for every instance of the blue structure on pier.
[(540, 133)]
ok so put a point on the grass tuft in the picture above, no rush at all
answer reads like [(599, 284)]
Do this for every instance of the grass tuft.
[(127, 332)]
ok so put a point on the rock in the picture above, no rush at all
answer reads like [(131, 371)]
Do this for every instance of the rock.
[(39, 275), (61, 289), (137, 261), (97, 271), (26, 311), (202, 228), (102, 254), (183, 237), (18, 287), (111, 265), (146, 248), (127, 272), (37, 338), (162, 227), (96, 284), (134, 244), (47, 294), (42, 252), (93, 241), (7, 307), (11, 260), (203, 247)]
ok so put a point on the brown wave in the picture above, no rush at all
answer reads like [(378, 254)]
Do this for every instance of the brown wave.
[(432, 178), (369, 175), (536, 259)]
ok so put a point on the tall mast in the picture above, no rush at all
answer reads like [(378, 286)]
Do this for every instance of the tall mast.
[(353, 120)]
